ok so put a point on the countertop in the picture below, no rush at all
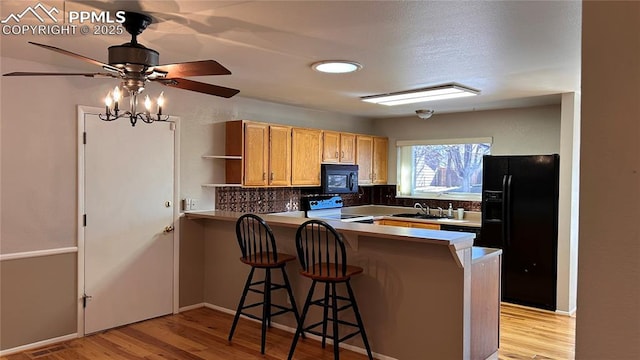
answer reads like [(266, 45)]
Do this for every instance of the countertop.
[(471, 218), (454, 239)]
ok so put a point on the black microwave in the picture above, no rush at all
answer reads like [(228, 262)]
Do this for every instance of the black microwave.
[(339, 179)]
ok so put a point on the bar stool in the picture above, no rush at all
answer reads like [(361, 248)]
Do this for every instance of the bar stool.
[(323, 258), (258, 246)]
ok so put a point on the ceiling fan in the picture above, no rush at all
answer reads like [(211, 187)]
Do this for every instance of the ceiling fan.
[(136, 64)]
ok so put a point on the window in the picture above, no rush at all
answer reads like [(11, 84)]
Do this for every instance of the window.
[(442, 169)]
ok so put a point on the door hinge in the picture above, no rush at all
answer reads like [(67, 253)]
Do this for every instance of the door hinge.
[(84, 220), (84, 138), (85, 299)]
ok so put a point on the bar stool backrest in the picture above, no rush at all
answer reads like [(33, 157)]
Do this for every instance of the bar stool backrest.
[(256, 239), (321, 249)]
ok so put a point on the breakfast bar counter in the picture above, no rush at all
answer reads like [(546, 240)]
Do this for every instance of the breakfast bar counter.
[(414, 295)]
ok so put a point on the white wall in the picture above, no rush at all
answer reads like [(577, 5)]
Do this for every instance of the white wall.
[(522, 131), (39, 146)]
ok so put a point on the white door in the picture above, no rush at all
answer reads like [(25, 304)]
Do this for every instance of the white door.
[(128, 255)]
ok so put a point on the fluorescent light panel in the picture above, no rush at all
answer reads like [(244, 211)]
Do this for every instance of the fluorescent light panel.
[(440, 92)]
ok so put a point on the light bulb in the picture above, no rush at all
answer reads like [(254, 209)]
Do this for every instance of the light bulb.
[(161, 99), (147, 103), (116, 94), (108, 101)]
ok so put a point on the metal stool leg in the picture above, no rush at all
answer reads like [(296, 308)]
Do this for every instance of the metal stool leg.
[(302, 317), (359, 320), (241, 304)]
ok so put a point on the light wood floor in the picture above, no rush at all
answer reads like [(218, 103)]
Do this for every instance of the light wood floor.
[(527, 333), (202, 334)]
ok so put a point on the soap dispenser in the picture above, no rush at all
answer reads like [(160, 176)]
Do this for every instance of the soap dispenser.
[(450, 211)]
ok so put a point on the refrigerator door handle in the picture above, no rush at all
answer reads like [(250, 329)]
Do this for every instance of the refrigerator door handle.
[(506, 219), (503, 226)]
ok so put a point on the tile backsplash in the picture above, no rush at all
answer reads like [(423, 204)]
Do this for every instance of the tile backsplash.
[(268, 200)]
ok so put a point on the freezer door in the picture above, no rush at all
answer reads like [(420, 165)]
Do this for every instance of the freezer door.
[(494, 175)]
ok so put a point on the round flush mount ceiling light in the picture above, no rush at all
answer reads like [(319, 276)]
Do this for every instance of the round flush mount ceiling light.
[(336, 66), (424, 113)]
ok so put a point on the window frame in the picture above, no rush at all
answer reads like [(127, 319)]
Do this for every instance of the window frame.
[(405, 170)]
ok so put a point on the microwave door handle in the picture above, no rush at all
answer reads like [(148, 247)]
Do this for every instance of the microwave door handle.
[(351, 176)]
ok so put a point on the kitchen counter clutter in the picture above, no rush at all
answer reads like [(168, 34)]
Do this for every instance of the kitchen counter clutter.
[(415, 295), (382, 212)]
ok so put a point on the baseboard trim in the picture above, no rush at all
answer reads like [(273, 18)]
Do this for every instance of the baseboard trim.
[(286, 328), (566, 313), (191, 307), (38, 253), (38, 344)]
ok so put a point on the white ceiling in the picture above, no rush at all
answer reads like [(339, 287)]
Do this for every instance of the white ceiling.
[(518, 53)]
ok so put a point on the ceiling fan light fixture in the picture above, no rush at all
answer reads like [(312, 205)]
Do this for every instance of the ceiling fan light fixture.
[(336, 66), (439, 92)]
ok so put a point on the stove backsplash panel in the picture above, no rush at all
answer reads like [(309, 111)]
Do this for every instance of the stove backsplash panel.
[(268, 200)]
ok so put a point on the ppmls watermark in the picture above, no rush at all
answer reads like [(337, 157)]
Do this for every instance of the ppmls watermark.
[(43, 20)]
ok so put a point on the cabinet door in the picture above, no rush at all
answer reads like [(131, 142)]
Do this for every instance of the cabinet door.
[(347, 148), (400, 223), (256, 138), (364, 158), (380, 150), (306, 155), (279, 155), (330, 147), (425, 226)]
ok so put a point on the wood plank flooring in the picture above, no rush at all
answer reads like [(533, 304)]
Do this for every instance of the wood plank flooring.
[(202, 334), (527, 333)]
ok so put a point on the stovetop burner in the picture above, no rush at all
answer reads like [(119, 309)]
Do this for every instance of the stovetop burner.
[(330, 207)]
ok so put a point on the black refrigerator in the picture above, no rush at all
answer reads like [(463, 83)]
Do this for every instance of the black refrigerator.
[(520, 216)]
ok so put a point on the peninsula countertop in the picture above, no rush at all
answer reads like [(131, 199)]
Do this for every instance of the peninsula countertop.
[(453, 239)]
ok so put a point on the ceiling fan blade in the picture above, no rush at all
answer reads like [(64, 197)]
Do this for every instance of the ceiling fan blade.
[(77, 56), (93, 75), (193, 68), (199, 87)]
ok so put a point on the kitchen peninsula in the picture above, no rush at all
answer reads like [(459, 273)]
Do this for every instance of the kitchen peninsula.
[(415, 295)]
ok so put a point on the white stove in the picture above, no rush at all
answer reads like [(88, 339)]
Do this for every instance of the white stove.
[(329, 207)]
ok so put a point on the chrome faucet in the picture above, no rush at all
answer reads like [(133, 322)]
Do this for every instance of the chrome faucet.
[(419, 206), (440, 211)]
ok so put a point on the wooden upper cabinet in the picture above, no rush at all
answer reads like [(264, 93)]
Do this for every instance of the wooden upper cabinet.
[(338, 147), (306, 156), (262, 154), (364, 159), (380, 155), (347, 148), (256, 144), (330, 147), (279, 155)]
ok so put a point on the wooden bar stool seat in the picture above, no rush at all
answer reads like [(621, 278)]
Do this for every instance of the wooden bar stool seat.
[(263, 260), (323, 258), (258, 246)]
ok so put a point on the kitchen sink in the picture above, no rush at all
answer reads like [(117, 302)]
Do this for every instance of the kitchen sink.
[(418, 216)]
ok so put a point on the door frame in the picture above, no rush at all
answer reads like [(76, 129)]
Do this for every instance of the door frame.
[(82, 111)]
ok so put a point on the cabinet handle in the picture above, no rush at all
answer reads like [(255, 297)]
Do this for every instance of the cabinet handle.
[(271, 176), (343, 154), (370, 176), (336, 154), (264, 176)]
